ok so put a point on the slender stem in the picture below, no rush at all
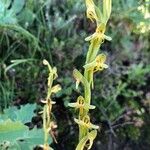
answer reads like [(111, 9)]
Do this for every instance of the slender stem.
[(47, 110)]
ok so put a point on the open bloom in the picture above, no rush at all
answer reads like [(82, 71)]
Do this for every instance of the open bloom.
[(85, 122), (80, 104), (99, 34), (98, 64)]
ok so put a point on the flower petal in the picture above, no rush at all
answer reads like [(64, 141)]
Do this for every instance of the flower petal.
[(92, 126), (108, 38), (105, 66), (73, 105), (89, 106), (91, 37)]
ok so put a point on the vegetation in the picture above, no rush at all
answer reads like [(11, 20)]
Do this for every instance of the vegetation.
[(31, 31)]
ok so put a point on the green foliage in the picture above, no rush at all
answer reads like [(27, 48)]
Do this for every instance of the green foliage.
[(10, 131), (24, 114), (137, 74), (14, 134), (18, 136), (6, 93), (12, 12)]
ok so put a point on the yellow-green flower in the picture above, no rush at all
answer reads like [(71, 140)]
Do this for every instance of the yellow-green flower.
[(90, 12), (80, 104), (98, 64), (85, 122), (99, 34)]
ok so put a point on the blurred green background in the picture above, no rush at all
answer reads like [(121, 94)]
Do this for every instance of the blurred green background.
[(32, 30)]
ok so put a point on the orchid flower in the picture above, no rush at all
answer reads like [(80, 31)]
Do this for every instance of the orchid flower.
[(85, 122), (98, 64), (81, 105), (99, 34)]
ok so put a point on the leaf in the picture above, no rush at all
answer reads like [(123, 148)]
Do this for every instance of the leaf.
[(17, 5), (17, 62), (6, 16), (35, 137), (11, 131), (24, 114), (19, 136)]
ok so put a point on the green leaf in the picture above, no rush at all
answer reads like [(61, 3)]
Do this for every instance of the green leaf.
[(11, 131), (17, 62), (35, 137), (24, 114), (18, 5), (6, 16), (19, 137)]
